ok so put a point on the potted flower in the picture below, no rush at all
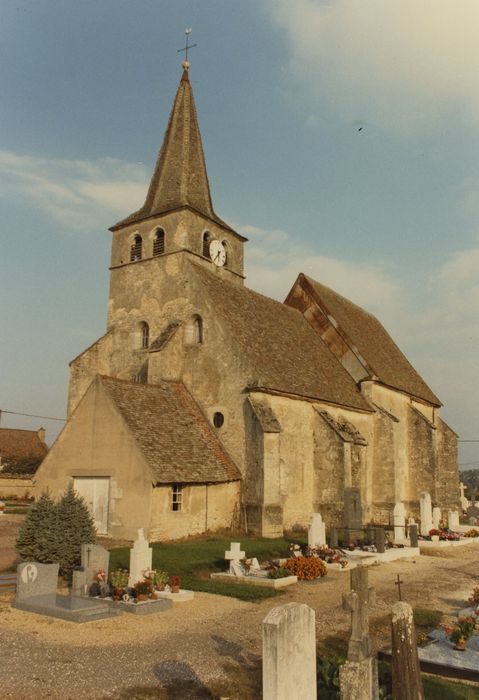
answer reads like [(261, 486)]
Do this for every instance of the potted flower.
[(175, 584), (143, 589), (119, 581), (160, 579), (434, 534), (461, 632)]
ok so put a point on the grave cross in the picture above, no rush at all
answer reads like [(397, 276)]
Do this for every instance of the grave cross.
[(358, 602), (187, 47), (398, 584)]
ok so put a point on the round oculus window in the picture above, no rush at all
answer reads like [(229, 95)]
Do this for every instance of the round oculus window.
[(218, 419)]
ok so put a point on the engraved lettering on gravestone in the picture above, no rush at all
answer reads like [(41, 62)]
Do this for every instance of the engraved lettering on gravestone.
[(29, 573)]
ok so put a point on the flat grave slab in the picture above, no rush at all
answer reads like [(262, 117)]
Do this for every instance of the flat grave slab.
[(397, 553), (256, 580), (425, 544), (71, 608), (182, 597), (449, 661), (144, 607)]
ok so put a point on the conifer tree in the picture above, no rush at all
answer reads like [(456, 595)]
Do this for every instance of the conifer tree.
[(37, 537), (74, 527)]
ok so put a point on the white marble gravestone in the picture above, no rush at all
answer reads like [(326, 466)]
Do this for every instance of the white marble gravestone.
[(140, 559), (464, 502), (426, 513), (234, 556), (399, 517), (289, 653), (316, 531), (453, 519), (436, 517)]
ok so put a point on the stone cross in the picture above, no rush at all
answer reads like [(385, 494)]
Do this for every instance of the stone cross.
[(316, 531), (234, 555), (358, 602), (426, 513)]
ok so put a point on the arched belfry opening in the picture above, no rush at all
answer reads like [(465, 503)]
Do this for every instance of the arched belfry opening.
[(136, 248), (206, 244), (193, 331), (159, 242)]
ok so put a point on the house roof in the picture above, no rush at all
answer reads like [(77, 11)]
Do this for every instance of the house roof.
[(363, 330), (277, 346), (21, 444), (179, 178), (171, 432)]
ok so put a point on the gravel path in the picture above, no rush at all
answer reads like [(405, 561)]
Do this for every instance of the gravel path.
[(207, 648)]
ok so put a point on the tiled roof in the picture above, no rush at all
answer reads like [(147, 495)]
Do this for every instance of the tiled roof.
[(180, 178), (19, 444), (171, 432), (276, 345), (373, 342)]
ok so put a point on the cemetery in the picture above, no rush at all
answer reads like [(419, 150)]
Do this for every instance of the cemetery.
[(343, 607)]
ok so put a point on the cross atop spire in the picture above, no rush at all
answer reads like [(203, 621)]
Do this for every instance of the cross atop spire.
[(186, 63)]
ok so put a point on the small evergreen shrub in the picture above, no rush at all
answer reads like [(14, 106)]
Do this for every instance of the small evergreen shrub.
[(54, 532)]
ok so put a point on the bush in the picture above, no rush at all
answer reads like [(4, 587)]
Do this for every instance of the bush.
[(55, 532), (306, 568)]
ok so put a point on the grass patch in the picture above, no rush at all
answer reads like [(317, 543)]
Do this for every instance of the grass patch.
[(427, 619), (196, 559)]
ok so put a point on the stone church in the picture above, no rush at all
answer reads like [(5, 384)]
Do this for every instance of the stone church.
[(206, 405)]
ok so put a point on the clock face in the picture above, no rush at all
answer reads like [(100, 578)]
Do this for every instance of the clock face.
[(217, 253)]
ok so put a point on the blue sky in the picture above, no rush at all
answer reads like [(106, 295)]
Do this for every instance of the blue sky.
[(341, 137)]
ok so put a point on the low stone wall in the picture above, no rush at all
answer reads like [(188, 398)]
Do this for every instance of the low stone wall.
[(16, 486)]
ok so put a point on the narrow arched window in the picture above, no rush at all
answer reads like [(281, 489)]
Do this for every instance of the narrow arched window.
[(135, 250), (225, 246), (159, 242), (145, 334), (194, 331), (206, 244)]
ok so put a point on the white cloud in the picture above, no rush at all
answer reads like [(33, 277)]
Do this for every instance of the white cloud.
[(78, 194), (399, 64)]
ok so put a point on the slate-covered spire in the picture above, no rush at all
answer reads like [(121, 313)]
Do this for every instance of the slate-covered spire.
[(180, 177)]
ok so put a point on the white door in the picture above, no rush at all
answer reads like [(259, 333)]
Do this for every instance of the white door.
[(96, 492)]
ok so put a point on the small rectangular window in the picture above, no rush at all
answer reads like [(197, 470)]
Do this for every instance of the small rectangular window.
[(176, 497)]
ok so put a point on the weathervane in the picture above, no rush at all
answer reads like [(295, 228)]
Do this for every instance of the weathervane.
[(185, 63)]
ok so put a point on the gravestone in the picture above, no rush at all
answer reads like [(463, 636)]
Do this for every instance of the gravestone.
[(407, 682), (413, 535), (426, 513), (289, 653), (453, 520), (234, 555), (333, 538), (358, 676), (316, 531), (473, 514), (94, 558), (399, 517), (352, 508), (464, 502), (35, 580), (380, 539), (436, 517), (140, 559)]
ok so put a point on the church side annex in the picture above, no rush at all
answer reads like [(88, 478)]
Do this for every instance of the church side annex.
[(207, 405)]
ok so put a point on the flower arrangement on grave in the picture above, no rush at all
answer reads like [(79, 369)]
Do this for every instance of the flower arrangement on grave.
[(246, 564), (160, 579), (175, 584), (278, 572), (331, 556), (444, 534), (471, 533), (461, 632), (295, 549), (143, 589), (101, 576), (306, 568), (473, 599), (119, 578)]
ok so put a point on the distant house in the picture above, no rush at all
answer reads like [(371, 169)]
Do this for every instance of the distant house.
[(21, 451)]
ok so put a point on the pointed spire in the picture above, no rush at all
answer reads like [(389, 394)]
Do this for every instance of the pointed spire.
[(180, 177)]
